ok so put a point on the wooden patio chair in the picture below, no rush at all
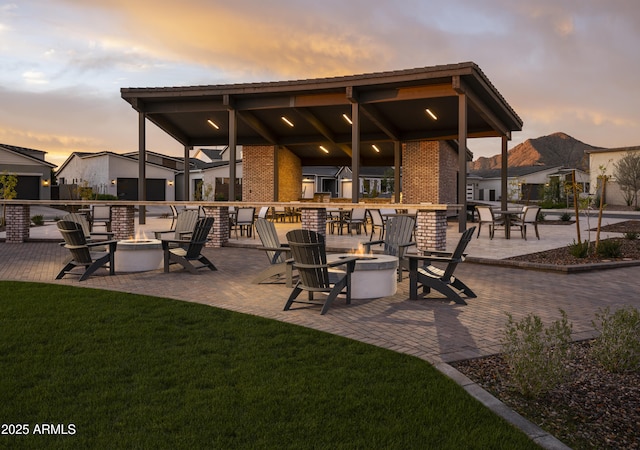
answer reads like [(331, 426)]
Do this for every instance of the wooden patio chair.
[(279, 270), (529, 215), (81, 254), (430, 277), (315, 274), (83, 223), (397, 239), (185, 251), (183, 225)]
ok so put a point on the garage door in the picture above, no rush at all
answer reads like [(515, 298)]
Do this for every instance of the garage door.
[(28, 187), (128, 189)]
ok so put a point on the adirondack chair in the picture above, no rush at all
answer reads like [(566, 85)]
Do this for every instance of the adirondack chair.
[(184, 224), (81, 254), (83, 222), (442, 280), (315, 274), (397, 239), (189, 250), (277, 253)]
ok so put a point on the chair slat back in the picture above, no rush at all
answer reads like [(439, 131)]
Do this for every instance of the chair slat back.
[(458, 253), (75, 241), (269, 238), (399, 231), (185, 222), (101, 212), (199, 237), (308, 249), (81, 220)]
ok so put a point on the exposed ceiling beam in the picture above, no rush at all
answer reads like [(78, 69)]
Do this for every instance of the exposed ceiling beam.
[(480, 107), (258, 126), (322, 129), (380, 121)]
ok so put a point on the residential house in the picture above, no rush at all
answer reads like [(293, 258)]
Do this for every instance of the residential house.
[(607, 158), (31, 169), (524, 183), (115, 174)]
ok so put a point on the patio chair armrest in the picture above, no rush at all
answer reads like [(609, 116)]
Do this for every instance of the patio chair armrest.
[(112, 244), (158, 234), (167, 242), (350, 261), (367, 245), (407, 244)]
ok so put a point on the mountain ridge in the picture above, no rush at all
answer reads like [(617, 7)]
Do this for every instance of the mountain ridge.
[(557, 149)]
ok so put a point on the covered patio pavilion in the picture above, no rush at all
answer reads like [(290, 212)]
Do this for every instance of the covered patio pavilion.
[(357, 120)]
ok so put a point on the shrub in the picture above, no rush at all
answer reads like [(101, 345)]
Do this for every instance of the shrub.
[(106, 197), (536, 355), (38, 220), (579, 249), (617, 348), (565, 217), (631, 235), (609, 248)]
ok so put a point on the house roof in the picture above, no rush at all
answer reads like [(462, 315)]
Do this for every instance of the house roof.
[(32, 154), (518, 171), (615, 150), (130, 157), (391, 107)]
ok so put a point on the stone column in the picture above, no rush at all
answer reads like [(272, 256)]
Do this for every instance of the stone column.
[(219, 234), (315, 219), (123, 222), (431, 230), (18, 223)]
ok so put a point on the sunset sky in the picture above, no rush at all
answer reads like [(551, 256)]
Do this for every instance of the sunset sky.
[(563, 65)]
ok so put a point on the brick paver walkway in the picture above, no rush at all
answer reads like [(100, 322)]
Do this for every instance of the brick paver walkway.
[(431, 328)]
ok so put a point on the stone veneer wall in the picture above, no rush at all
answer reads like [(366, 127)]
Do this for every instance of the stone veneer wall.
[(258, 173), (123, 222), (289, 176), (429, 172), (18, 222)]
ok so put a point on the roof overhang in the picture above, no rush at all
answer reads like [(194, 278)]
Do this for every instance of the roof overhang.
[(391, 107)]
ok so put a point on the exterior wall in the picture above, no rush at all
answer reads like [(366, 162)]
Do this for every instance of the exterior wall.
[(259, 169), (448, 174), (429, 172), (289, 176), (20, 166), (98, 171), (608, 159)]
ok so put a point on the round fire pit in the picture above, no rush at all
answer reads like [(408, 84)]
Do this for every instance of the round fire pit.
[(138, 255), (375, 275)]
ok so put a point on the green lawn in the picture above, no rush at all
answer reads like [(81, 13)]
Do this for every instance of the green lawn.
[(131, 371)]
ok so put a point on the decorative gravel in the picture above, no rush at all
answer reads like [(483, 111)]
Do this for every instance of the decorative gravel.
[(593, 409)]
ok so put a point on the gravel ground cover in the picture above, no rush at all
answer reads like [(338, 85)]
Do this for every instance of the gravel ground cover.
[(593, 409)]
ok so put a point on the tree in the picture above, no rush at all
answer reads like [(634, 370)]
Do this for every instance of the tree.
[(8, 183), (628, 177)]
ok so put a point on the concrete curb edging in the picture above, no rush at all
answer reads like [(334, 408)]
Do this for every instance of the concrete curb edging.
[(535, 433), (567, 269)]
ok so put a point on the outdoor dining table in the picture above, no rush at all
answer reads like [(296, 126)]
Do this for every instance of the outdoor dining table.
[(508, 215)]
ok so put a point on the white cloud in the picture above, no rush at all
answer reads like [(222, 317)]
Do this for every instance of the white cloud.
[(35, 77)]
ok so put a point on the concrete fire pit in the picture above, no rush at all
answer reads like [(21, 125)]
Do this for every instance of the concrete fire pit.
[(138, 255), (374, 276)]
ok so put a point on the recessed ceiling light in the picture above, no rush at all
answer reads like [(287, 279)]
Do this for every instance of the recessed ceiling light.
[(213, 124), (431, 114), (287, 121), (345, 117), (324, 149), (375, 148)]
